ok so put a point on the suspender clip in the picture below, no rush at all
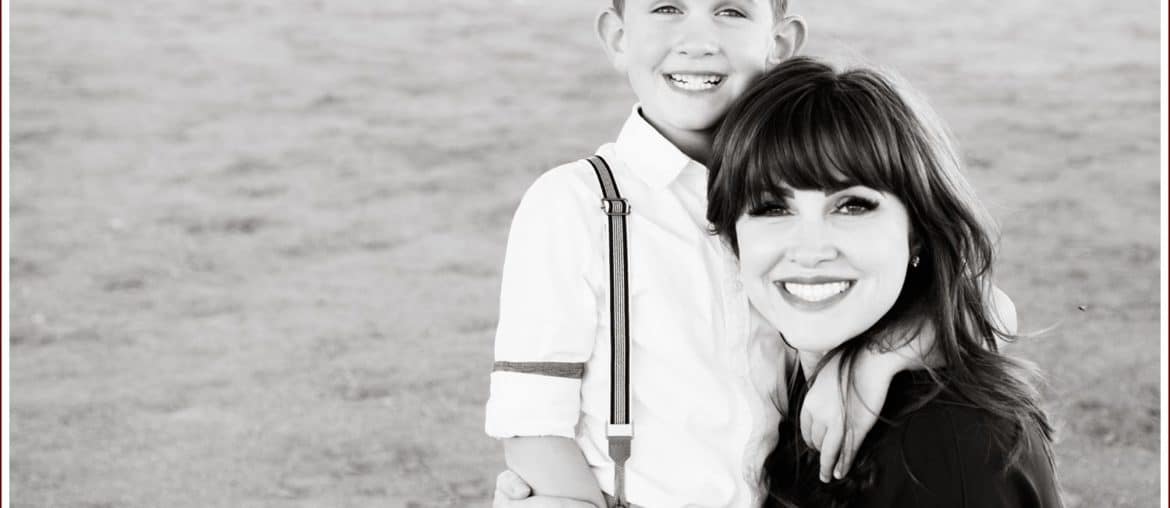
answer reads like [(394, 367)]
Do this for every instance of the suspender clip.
[(614, 207), (619, 436), (619, 430)]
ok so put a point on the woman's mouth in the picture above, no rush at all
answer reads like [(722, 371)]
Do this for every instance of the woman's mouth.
[(694, 82), (813, 294)]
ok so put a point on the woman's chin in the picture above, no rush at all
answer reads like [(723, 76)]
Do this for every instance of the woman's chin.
[(821, 334), (811, 343)]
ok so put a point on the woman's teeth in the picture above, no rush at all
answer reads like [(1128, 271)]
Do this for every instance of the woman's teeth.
[(695, 82), (816, 292)]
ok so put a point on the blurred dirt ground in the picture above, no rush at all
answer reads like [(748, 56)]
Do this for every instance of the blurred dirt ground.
[(256, 243)]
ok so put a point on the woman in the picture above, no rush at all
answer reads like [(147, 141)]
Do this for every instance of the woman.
[(844, 202)]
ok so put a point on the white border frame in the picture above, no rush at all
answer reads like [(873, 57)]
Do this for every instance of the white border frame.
[(5, 171), (1165, 500)]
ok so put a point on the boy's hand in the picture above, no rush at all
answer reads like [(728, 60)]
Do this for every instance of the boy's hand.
[(513, 492), (828, 407)]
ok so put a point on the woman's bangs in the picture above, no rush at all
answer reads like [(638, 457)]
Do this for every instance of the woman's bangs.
[(829, 142)]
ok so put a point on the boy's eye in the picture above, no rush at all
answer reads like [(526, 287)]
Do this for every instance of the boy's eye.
[(733, 13), (770, 209), (667, 9), (854, 205)]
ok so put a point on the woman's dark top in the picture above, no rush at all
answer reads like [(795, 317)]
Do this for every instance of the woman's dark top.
[(942, 454)]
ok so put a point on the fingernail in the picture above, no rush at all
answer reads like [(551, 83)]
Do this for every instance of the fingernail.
[(837, 474)]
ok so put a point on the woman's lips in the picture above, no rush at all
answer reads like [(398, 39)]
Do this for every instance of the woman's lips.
[(813, 293)]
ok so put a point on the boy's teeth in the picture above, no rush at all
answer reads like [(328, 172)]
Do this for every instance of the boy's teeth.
[(816, 292), (695, 81)]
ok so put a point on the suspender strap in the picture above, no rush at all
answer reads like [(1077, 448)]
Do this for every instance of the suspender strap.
[(620, 429)]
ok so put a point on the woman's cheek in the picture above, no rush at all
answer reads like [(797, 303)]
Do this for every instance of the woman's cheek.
[(761, 247)]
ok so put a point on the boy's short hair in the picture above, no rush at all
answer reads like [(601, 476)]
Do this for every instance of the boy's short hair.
[(779, 7)]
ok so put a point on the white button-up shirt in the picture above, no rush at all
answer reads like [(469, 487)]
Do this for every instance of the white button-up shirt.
[(705, 371)]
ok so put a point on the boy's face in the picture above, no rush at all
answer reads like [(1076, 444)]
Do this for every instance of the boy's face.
[(687, 60)]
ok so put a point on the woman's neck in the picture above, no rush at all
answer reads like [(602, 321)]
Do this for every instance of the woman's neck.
[(809, 362)]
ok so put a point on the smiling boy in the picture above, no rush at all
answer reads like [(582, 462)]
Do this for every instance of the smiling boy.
[(706, 372), (687, 61)]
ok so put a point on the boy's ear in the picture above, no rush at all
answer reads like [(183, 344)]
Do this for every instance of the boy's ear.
[(788, 35), (611, 33)]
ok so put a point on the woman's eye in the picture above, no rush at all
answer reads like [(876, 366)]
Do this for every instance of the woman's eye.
[(770, 210), (667, 9), (856, 206), (733, 13)]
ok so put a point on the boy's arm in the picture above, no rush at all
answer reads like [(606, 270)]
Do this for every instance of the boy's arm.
[(553, 467), (1003, 310), (836, 419), (546, 332)]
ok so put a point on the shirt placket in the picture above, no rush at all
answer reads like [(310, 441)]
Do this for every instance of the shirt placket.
[(736, 327), (736, 314)]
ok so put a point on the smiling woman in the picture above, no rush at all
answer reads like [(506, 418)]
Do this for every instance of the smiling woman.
[(826, 264), (843, 199)]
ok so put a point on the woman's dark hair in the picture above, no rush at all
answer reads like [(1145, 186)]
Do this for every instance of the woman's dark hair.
[(806, 126)]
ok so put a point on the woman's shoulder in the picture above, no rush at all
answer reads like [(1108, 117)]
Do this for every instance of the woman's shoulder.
[(945, 451)]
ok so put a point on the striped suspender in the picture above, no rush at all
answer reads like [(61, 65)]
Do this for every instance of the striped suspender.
[(620, 429)]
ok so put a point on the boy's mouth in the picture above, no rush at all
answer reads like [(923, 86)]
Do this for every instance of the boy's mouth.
[(694, 82)]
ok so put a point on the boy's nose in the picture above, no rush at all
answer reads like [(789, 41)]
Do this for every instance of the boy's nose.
[(696, 47), (697, 38)]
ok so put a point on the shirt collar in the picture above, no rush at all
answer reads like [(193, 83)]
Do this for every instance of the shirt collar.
[(651, 157)]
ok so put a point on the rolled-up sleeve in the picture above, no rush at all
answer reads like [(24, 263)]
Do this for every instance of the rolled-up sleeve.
[(548, 313)]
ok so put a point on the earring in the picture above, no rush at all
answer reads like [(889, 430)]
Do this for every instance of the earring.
[(914, 261)]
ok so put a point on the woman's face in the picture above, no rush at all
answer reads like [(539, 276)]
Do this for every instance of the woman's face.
[(824, 266)]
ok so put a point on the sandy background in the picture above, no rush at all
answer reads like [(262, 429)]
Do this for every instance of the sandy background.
[(256, 243)]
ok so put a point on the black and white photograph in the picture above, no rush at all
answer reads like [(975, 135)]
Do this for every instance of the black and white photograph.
[(584, 254)]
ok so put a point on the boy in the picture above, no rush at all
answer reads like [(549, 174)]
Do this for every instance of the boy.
[(706, 373)]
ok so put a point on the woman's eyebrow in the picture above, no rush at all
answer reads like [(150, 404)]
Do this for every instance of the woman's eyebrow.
[(851, 187), (774, 193), (841, 186)]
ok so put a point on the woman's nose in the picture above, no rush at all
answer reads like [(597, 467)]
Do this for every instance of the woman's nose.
[(811, 246)]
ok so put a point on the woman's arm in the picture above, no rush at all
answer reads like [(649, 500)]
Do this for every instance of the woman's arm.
[(554, 467), (947, 455)]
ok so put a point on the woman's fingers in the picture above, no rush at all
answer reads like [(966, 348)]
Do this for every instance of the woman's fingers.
[(542, 502), (509, 487), (550, 502), (513, 492)]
